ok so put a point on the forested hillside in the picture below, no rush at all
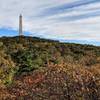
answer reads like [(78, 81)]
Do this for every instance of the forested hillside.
[(38, 69)]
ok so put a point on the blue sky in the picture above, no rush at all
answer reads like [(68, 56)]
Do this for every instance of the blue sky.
[(65, 20)]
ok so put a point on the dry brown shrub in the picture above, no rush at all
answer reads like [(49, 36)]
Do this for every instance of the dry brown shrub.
[(59, 82)]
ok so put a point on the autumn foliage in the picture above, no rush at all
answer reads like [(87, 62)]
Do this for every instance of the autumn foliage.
[(38, 69)]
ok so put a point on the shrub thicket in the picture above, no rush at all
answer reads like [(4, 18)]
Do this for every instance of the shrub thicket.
[(18, 57)]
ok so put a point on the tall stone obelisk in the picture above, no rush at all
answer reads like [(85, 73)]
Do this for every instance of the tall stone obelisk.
[(20, 26)]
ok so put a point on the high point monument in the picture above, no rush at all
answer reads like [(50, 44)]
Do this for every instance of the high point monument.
[(20, 25)]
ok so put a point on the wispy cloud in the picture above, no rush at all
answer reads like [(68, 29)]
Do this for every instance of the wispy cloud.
[(54, 19), (80, 16), (67, 7)]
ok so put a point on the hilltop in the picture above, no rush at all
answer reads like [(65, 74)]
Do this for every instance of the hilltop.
[(39, 69)]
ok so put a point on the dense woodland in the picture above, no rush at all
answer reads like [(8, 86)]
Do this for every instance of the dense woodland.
[(38, 69)]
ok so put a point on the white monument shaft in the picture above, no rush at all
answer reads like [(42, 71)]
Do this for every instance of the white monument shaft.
[(20, 26)]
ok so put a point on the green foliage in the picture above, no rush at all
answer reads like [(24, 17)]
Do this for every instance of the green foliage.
[(7, 68), (28, 60), (9, 77)]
